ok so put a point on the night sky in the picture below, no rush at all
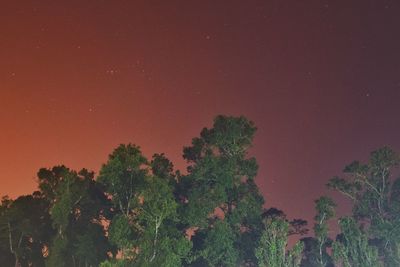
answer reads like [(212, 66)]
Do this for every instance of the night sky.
[(321, 80)]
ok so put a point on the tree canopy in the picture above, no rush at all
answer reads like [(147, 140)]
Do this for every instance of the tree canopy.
[(140, 211)]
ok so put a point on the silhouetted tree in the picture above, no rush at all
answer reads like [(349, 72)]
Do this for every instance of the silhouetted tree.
[(25, 230)]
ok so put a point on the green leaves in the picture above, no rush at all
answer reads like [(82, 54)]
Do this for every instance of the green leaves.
[(219, 246), (123, 176), (77, 207), (158, 201), (220, 196), (121, 233), (352, 248), (271, 250), (229, 137), (375, 197), (144, 228), (325, 208)]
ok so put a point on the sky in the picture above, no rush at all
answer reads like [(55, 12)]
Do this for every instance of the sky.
[(320, 79)]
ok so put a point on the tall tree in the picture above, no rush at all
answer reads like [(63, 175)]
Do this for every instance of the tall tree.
[(375, 200), (325, 208), (123, 178), (220, 187)]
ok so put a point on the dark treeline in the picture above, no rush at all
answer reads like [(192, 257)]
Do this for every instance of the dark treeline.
[(141, 212)]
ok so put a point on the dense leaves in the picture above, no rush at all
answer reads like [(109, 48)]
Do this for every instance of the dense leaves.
[(221, 198), (145, 227), (272, 249), (25, 230), (352, 248), (374, 192)]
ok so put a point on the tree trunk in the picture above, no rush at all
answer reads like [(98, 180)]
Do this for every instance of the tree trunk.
[(155, 239), (11, 246)]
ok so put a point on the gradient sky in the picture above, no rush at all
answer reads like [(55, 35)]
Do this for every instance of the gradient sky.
[(321, 80)]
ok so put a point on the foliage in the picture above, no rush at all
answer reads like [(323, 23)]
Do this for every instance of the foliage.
[(24, 229), (144, 228), (375, 200), (352, 248), (325, 208), (123, 177), (272, 247), (140, 212), (219, 196), (77, 209)]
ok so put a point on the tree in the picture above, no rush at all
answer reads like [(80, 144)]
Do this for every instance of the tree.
[(220, 187), (145, 226), (351, 248), (276, 230), (219, 245), (78, 209), (272, 247), (375, 200), (24, 230), (160, 242), (325, 208), (123, 179), (296, 226), (123, 176)]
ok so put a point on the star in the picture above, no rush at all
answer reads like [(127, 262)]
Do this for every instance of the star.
[(112, 71)]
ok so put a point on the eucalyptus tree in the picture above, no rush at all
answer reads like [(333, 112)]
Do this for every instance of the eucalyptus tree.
[(352, 248), (325, 208), (374, 193), (272, 249)]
